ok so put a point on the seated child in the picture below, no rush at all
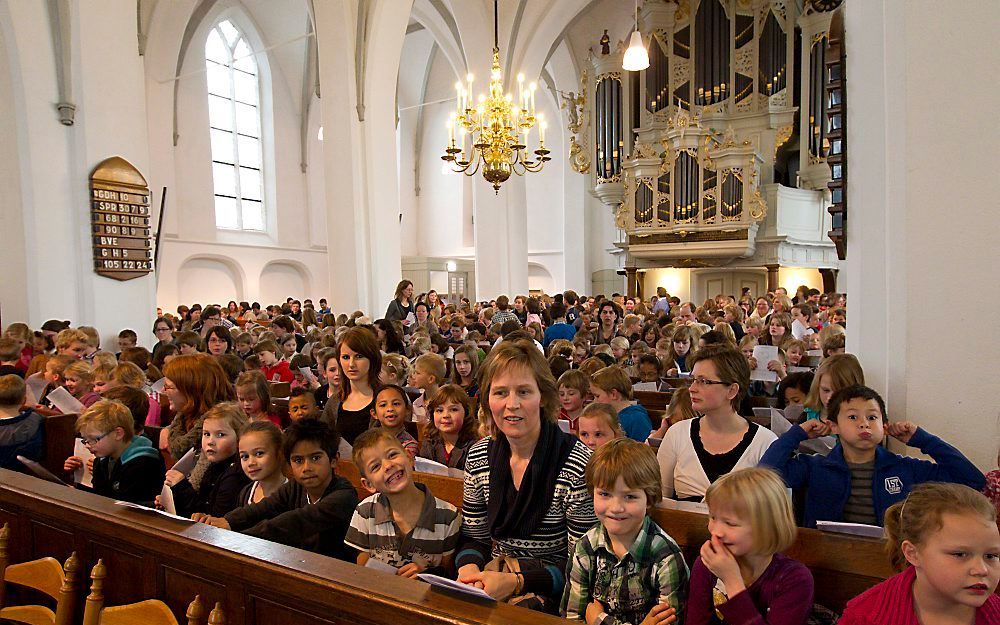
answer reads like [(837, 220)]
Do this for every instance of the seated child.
[(126, 339), (274, 370), (72, 342), (860, 479), (189, 343), (833, 374), (260, 457), (137, 403), (834, 345), (741, 574), (395, 369), (78, 378), (452, 429), (626, 569), (679, 409), (620, 351), (22, 430), (54, 368), (598, 424), (313, 511), (402, 524), (10, 356), (945, 541), (213, 489), (297, 363), (611, 386), (244, 345), (467, 362), (254, 396), (101, 373), (329, 371), (794, 388), (429, 371), (126, 466), (392, 409), (649, 369), (574, 386), (302, 404)]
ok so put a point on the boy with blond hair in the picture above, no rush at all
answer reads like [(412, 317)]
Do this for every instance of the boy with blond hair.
[(72, 342), (611, 386), (126, 467), (22, 431), (429, 370), (626, 569), (573, 386), (402, 524)]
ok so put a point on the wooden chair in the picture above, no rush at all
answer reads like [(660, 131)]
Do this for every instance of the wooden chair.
[(46, 576), (149, 612)]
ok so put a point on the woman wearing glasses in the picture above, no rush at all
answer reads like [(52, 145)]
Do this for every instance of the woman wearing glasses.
[(696, 452), (163, 330)]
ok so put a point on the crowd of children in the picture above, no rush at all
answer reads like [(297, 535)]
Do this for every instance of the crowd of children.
[(406, 389)]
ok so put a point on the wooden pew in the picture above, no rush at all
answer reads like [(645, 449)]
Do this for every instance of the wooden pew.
[(60, 439), (256, 581), (842, 566), (654, 402), (280, 389)]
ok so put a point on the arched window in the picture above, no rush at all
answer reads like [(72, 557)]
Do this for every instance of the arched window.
[(234, 120)]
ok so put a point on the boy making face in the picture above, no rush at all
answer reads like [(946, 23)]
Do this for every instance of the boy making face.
[(400, 515), (302, 405)]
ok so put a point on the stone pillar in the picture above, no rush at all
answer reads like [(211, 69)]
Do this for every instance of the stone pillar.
[(501, 237)]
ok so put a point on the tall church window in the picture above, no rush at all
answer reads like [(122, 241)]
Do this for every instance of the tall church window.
[(235, 122)]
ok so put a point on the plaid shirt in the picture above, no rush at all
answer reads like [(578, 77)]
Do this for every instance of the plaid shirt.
[(653, 571)]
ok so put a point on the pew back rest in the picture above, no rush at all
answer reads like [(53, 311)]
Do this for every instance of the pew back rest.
[(842, 566), (60, 439)]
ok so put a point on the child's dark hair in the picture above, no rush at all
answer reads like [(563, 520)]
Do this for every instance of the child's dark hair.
[(651, 359), (128, 334), (854, 392), (801, 380), (314, 430), (399, 389), (135, 400), (299, 392)]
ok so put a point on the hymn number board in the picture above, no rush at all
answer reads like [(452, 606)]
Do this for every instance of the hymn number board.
[(119, 217)]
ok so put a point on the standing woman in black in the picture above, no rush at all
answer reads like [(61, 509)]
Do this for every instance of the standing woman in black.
[(360, 362), (402, 305), (609, 315)]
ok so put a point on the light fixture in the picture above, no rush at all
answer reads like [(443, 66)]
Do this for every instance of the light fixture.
[(636, 57), (451, 266), (319, 135), (493, 125)]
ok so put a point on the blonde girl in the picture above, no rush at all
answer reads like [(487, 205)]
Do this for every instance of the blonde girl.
[(395, 369), (598, 424), (261, 460), (254, 396), (833, 374), (740, 573), (78, 378), (679, 410), (944, 540)]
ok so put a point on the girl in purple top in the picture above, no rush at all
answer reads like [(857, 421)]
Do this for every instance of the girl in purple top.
[(740, 577)]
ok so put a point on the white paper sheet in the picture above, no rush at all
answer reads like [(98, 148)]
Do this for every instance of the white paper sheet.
[(157, 387), (817, 353), (854, 529), (36, 386), (564, 425), (378, 565), (135, 506), (793, 369), (425, 465), (167, 500), (779, 424), (66, 403), (442, 582), (83, 475), (764, 354), (186, 464), (645, 386), (307, 374)]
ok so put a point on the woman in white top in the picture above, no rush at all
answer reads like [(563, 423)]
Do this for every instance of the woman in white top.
[(696, 452)]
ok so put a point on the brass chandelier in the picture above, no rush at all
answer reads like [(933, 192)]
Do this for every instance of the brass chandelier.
[(495, 126)]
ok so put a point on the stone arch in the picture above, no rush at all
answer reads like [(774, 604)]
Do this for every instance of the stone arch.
[(540, 278), (291, 279), (199, 269)]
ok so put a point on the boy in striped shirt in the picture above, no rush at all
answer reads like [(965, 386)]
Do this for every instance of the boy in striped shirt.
[(402, 524), (626, 569)]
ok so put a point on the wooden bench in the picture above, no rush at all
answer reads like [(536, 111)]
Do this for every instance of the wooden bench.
[(60, 440), (654, 402), (280, 389), (842, 566), (257, 582)]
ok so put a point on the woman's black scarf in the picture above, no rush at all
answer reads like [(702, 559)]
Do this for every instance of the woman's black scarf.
[(513, 513)]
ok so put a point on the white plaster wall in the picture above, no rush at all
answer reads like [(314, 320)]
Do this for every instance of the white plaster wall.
[(792, 277), (677, 282), (921, 201), (14, 286)]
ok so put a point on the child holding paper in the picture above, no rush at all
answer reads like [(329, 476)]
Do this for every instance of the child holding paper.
[(860, 479), (22, 431), (126, 466), (78, 379), (402, 524)]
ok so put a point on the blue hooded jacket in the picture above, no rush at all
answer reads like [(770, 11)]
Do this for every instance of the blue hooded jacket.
[(828, 479)]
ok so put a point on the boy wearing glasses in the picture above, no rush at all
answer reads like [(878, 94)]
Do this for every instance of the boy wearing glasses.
[(126, 467)]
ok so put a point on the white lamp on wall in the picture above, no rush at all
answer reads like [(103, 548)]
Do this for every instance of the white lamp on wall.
[(636, 57), (452, 266)]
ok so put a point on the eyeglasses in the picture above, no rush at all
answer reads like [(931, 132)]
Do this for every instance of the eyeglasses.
[(164, 329), (706, 382), (93, 441)]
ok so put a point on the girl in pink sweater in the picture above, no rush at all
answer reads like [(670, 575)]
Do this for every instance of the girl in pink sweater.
[(944, 539)]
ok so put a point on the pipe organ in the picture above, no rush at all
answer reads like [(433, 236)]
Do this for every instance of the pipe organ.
[(729, 85)]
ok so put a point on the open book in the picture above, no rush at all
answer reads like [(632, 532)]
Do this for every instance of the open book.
[(854, 529)]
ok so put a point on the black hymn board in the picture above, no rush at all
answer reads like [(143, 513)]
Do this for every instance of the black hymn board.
[(119, 217)]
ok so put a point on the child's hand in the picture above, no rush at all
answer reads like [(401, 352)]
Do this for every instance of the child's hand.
[(594, 610), (721, 562), (777, 367), (662, 430), (661, 614), (199, 517), (409, 570), (672, 372), (72, 464), (816, 428), (752, 362), (157, 503), (173, 478), (164, 438), (902, 431), (90, 465)]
